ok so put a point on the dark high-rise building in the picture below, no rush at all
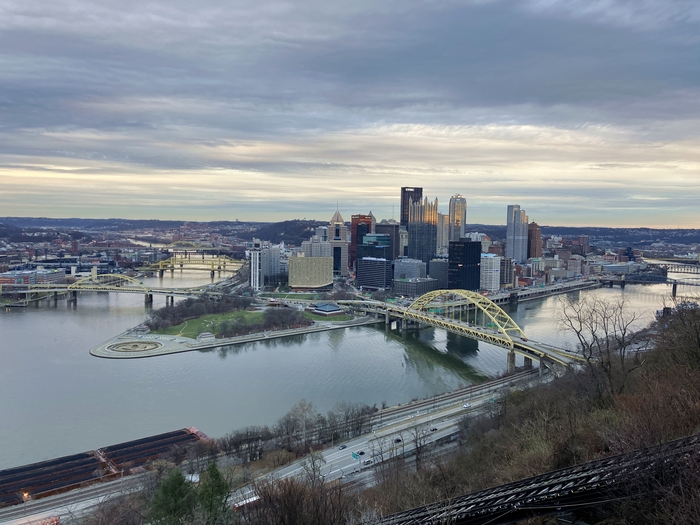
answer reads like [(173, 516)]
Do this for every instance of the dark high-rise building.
[(422, 230), (439, 270), (464, 265), (392, 230), (534, 240), (360, 225), (377, 245), (409, 195), (374, 273)]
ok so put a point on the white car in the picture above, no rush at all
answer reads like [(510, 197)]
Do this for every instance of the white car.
[(467, 405)]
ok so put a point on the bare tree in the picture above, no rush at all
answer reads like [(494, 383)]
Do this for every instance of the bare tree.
[(679, 333), (608, 333), (419, 434)]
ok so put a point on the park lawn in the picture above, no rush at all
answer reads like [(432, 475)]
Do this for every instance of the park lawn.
[(208, 323)]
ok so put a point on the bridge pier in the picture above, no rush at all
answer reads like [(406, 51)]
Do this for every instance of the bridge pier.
[(212, 274), (511, 361), (148, 299), (161, 272), (528, 363), (73, 297), (674, 290)]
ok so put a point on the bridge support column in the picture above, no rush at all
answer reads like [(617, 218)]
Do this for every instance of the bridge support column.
[(387, 319), (674, 290), (212, 274), (528, 363), (543, 365), (148, 299), (511, 361), (161, 273), (73, 297)]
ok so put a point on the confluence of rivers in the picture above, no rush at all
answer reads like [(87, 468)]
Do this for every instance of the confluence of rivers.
[(57, 399)]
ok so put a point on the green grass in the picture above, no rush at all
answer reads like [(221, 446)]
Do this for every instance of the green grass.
[(208, 323)]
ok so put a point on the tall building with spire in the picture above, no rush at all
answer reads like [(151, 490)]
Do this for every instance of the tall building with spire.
[(516, 233), (422, 230), (457, 217), (338, 237)]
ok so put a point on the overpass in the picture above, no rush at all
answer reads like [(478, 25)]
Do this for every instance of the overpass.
[(472, 315), (109, 283)]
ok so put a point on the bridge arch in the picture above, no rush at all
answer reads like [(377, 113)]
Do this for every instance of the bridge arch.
[(108, 280), (189, 245), (500, 319)]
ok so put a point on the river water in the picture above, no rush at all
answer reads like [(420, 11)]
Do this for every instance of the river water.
[(57, 399)]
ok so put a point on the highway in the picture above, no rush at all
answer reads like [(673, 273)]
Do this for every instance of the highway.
[(409, 425), (401, 422)]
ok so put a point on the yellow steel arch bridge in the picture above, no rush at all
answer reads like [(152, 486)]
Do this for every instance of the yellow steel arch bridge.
[(219, 263), (500, 329), (111, 283)]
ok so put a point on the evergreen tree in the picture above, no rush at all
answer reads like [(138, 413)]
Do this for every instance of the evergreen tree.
[(213, 494), (173, 500)]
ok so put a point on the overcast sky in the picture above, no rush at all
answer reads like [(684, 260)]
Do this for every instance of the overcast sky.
[(583, 112)]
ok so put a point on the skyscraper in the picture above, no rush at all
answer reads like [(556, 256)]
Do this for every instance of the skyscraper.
[(464, 265), (534, 240), (422, 230), (338, 237), (457, 217), (408, 195), (516, 234), (443, 234), (392, 230), (360, 225)]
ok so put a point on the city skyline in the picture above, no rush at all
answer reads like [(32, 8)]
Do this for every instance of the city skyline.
[(584, 113)]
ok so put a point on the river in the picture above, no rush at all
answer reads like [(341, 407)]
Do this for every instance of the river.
[(57, 399)]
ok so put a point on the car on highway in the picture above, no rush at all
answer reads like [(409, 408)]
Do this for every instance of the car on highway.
[(367, 462), (467, 405), (434, 429), (361, 453), (342, 447), (397, 440)]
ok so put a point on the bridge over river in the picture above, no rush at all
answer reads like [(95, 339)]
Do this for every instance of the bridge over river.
[(105, 283), (469, 314)]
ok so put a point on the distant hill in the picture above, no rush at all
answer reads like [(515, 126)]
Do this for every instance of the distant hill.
[(291, 232), (89, 224), (295, 231)]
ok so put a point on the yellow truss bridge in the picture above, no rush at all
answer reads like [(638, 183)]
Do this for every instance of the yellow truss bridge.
[(472, 315), (219, 264), (111, 283)]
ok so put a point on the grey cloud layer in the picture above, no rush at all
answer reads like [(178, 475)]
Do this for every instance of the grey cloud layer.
[(299, 90)]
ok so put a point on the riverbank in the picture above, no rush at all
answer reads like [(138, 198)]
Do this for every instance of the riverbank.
[(129, 345)]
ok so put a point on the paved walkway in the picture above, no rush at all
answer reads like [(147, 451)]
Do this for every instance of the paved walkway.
[(129, 345)]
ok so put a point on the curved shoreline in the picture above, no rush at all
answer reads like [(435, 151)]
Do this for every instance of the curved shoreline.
[(128, 345)]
